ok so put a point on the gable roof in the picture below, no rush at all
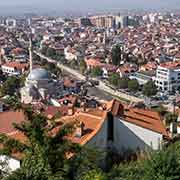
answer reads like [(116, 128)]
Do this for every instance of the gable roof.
[(145, 118), (141, 117), (92, 121)]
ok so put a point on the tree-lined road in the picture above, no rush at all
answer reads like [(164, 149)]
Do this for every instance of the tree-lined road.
[(102, 86)]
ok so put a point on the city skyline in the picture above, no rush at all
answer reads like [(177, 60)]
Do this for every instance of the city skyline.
[(46, 6)]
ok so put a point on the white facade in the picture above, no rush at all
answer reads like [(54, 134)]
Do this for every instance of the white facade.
[(168, 79), (10, 70), (39, 85), (131, 136), (12, 164)]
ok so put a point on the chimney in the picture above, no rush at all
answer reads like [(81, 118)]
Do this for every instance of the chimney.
[(79, 129)]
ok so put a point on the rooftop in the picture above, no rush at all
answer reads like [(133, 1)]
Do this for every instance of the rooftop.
[(145, 118), (8, 118), (39, 74), (16, 65), (170, 65)]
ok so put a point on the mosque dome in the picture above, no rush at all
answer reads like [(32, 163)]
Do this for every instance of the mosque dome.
[(39, 74)]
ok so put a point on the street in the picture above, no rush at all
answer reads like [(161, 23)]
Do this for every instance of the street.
[(102, 87)]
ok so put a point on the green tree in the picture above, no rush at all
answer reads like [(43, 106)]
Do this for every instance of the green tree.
[(51, 67), (13, 102), (44, 154), (86, 160), (163, 165), (123, 83), (2, 76), (95, 174), (44, 62), (170, 117), (149, 89), (44, 50), (160, 165), (133, 85), (82, 66), (129, 171), (51, 52), (10, 86), (114, 79), (116, 55), (96, 71), (36, 58), (73, 64)]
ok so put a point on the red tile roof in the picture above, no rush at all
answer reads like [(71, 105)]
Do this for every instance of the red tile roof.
[(141, 117), (17, 65), (92, 120), (145, 118), (8, 118), (170, 65)]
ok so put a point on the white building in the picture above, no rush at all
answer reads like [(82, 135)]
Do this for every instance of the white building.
[(168, 76), (11, 22), (136, 129), (11, 164), (14, 68), (39, 86)]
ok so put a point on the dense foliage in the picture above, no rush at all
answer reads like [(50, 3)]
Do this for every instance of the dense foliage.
[(45, 157), (116, 54), (149, 89), (10, 86), (133, 85), (114, 79), (96, 71)]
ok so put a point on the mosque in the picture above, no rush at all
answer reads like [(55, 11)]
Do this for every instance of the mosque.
[(39, 85)]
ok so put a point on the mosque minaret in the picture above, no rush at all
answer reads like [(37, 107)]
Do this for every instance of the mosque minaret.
[(39, 84)]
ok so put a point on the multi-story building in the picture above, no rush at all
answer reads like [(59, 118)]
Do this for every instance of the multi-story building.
[(168, 76), (85, 22), (103, 21), (122, 21)]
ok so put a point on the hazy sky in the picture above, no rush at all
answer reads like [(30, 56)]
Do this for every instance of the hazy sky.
[(85, 5)]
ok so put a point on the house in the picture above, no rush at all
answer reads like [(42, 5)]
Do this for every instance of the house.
[(14, 68), (90, 130), (108, 125), (108, 69), (7, 119), (143, 76), (92, 63), (168, 76), (136, 128), (150, 66), (126, 69)]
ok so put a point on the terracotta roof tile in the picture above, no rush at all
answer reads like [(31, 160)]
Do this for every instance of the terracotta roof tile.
[(145, 118), (8, 118)]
